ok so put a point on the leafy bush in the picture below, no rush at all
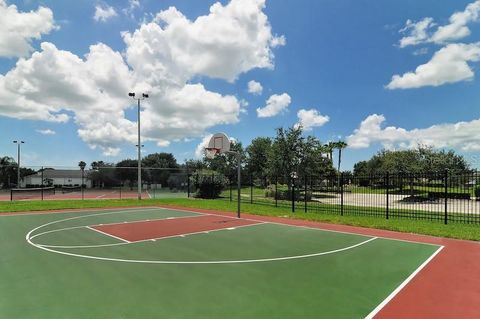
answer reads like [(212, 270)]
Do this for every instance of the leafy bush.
[(477, 191), (208, 185)]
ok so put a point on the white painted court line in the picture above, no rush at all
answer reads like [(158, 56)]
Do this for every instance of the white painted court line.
[(44, 247), (107, 234), (108, 224), (146, 240), (245, 261), (402, 285), (78, 210), (56, 230), (84, 216), (308, 227)]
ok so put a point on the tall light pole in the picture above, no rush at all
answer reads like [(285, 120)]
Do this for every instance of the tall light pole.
[(139, 145), (18, 161)]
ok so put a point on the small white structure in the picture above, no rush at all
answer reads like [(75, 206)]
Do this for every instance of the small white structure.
[(58, 177)]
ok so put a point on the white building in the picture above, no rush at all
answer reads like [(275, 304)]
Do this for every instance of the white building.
[(57, 177)]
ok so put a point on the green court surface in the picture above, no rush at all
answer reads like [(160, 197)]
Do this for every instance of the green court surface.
[(54, 266)]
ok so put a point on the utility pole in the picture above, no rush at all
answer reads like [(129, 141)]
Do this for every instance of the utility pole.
[(18, 161), (139, 145)]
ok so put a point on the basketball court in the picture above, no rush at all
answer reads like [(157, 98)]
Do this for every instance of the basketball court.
[(176, 263)]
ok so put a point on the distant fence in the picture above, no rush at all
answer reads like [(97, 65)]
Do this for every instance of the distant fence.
[(442, 197), (48, 183), (446, 197)]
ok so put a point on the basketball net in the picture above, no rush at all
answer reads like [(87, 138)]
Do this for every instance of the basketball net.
[(211, 152)]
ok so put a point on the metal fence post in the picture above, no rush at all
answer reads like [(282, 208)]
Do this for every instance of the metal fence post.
[(42, 183), (341, 194), (387, 193), (446, 197), (188, 185), (276, 189), (212, 192), (83, 181), (231, 182), (306, 193), (251, 189), (293, 195)]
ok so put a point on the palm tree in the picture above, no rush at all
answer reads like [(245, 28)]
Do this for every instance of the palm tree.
[(329, 149), (82, 165), (340, 145)]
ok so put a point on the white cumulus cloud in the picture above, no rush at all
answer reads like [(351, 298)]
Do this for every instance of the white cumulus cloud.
[(448, 65), (46, 132), (255, 87), (200, 149), (461, 135), (457, 28), (17, 29), (104, 12), (230, 40), (417, 32), (58, 86), (309, 119), (275, 104)]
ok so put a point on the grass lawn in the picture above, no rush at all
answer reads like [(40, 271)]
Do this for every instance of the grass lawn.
[(459, 231)]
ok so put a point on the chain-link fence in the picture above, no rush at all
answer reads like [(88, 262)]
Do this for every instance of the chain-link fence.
[(47, 183)]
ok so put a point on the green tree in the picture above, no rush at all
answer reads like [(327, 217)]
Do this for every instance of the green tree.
[(159, 167), (103, 174), (329, 147), (7, 171), (257, 158), (286, 153), (126, 171), (226, 164), (340, 145), (194, 164), (312, 161)]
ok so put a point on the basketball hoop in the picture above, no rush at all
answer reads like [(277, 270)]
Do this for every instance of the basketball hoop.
[(211, 152), (218, 144)]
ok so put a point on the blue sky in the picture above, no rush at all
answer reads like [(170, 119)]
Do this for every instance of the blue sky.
[(373, 73)]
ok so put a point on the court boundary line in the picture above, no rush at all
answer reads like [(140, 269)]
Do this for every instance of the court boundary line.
[(108, 224), (107, 234), (88, 215), (200, 262), (151, 239), (28, 239), (307, 227), (174, 262), (399, 288), (81, 210)]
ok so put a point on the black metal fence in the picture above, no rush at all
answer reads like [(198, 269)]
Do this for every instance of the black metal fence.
[(446, 197), (442, 197)]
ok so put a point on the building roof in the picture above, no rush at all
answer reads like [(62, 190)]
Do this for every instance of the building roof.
[(61, 173)]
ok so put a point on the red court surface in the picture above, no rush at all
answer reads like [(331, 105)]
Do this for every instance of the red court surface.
[(88, 194), (156, 229)]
